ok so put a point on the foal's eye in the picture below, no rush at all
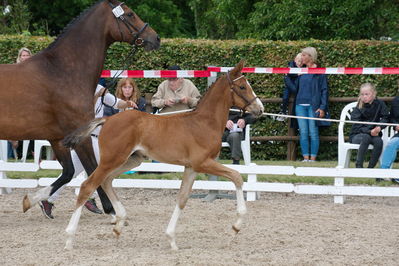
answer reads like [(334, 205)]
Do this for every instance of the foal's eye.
[(131, 15), (242, 88)]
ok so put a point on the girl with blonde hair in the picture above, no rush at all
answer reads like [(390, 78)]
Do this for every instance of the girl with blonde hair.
[(23, 54), (368, 109)]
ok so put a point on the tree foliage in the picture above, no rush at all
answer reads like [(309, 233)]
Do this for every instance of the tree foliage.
[(225, 19), (322, 19)]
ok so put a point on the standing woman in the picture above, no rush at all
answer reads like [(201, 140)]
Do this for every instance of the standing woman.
[(23, 54), (128, 91), (368, 109), (311, 101)]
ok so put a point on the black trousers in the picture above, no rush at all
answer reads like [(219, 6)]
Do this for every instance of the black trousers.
[(365, 140)]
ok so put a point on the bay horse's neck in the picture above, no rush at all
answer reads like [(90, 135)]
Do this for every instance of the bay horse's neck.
[(79, 53), (216, 104)]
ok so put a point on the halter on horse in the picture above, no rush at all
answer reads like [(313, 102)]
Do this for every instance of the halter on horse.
[(51, 94), (190, 139)]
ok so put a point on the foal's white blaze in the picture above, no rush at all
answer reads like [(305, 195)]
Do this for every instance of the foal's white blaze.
[(170, 231), (72, 228), (258, 102)]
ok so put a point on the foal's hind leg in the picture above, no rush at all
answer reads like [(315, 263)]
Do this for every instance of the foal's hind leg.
[(184, 192), (120, 213), (214, 168)]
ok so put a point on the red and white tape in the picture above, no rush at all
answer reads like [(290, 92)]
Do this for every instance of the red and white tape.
[(320, 70), (264, 70), (155, 73)]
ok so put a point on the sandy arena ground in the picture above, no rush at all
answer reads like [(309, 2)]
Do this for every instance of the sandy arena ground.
[(280, 229)]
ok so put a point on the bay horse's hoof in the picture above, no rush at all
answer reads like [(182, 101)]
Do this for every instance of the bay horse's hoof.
[(26, 204)]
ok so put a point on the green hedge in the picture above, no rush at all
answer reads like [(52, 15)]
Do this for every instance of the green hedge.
[(197, 54)]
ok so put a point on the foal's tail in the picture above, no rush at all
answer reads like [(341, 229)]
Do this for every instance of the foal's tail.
[(73, 139)]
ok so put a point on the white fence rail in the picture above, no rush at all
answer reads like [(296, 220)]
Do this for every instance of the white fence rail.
[(252, 186)]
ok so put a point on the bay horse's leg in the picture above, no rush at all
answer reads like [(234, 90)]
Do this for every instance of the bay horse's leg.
[(184, 192), (63, 155), (212, 167), (87, 156)]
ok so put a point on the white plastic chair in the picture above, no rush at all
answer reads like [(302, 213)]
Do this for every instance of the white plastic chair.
[(245, 145), (344, 148), (39, 144)]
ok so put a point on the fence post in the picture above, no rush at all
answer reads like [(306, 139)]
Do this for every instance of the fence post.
[(3, 158), (291, 144)]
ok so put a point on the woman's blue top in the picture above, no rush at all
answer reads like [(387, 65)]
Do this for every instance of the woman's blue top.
[(304, 95)]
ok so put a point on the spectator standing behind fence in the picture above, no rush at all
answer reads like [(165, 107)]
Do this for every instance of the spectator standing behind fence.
[(390, 152), (23, 54), (311, 100), (290, 85), (368, 109), (175, 94), (127, 90), (235, 132)]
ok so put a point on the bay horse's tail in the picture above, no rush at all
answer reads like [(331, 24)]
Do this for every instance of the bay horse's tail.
[(73, 139)]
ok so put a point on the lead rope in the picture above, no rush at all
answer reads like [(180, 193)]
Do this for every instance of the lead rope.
[(128, 60)]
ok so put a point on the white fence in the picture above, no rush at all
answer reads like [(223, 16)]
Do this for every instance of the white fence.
[(252, 186)]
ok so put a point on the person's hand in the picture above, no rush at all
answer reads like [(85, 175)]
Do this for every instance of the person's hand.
[(169, 102), (132, 104), (375, 131), (321, 113), (241, 123), (229, 125), (184, 100), (397, 128)]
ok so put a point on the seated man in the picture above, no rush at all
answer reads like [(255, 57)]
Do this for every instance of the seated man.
[(175, 94), (235, 132), (390, 151)]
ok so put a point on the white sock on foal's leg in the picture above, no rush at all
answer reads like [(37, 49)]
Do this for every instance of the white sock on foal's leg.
[(170, 231), (120, 215), (72, 228), (241, 209)]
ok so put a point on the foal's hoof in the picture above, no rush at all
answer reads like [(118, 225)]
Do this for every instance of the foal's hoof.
[(236, 230), (26, 204), (117, 233)]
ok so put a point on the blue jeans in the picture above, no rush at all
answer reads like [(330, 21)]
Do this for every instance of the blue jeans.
[(307, 129), (389, 154)]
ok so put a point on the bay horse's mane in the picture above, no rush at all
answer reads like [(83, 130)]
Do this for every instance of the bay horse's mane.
[(75, 20)]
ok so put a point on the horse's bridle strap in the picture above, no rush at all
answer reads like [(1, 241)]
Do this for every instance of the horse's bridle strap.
[(133, 30), (234, 89)]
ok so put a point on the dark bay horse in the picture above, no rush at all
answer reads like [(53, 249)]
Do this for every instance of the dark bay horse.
[(191, 139), (51, 94)]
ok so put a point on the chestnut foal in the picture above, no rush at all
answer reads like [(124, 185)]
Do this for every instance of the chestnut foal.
[(190, 139)]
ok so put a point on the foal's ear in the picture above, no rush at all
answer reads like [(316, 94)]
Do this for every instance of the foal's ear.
[(237, 69)]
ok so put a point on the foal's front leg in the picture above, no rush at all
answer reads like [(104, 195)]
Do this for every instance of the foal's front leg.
[(184, 192), (86, 189), (214, 168)]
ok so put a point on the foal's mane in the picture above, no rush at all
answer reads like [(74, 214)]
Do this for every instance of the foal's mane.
[(75, 20), (206, 95)]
